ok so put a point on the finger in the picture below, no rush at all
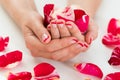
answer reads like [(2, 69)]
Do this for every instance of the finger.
[(64, 32), (54, 30), (57, 44), (73, 29), (32, 42), (40, 31), (92, 32), (68, 52)]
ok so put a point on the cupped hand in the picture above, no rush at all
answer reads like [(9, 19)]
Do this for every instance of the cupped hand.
[(41, 45)]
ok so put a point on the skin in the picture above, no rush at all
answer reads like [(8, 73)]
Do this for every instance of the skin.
[(38, 39)]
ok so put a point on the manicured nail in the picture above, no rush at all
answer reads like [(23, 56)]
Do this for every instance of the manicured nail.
[(61, 25), (69, 25), (76, 40), (86, 45), (81, 44), (49, 27), (91, 39), (45, 37), (78, 46), (73, 41), (54, 25)]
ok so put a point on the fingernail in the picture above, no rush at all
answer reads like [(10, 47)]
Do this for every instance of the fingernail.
[(49, 27), (73, 41), (54, 25), (76, 40), (86, 45), (91, 39), (61, 25), (44, 37), (69, 25), (81, 44), (78, 46)]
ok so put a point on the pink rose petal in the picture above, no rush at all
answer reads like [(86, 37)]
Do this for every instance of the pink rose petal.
[(20, 76), (3, 43), (78, 16), (10, 58), (89, 69), (113, 76), (45, 71), (115, 57)]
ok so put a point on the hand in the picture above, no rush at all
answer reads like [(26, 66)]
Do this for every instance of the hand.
[(33, 29), (92, 32), (60, 29)]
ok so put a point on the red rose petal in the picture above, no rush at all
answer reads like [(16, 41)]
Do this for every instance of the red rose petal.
[(115, 57), (14, 56), (113, 76), (79, 17), (3, 43), (45, 71), (114, 26), (10, 58), (89, 69), (20, 76), (111, 40), (47, 10), (82, 23), (3, 61)]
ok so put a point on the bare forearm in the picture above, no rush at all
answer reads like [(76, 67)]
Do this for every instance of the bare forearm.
[(90, 6), (15, 8)]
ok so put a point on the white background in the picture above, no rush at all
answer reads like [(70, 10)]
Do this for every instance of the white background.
[(97, 53)]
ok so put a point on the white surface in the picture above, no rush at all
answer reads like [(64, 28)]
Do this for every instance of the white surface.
[(97, 53)]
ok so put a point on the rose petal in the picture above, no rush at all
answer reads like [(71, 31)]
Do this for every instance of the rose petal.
[(78, 16), (113, 76), (114, 26), (45, 71), (3, 43), (115, 57), (14, 56), (110, 40), (10, 58), (47, 10), (89, 69), (20, 76), (82, 23), (3, 61)]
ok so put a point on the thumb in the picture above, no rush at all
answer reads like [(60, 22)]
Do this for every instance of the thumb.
[(40, 31)]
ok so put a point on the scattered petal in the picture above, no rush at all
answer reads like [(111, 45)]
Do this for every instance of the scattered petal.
[(45, 71), (10, 58), (3, 43), (114, 26), (20, 76), (115, 57), (113, 76), (89, 69), (111, 40)]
